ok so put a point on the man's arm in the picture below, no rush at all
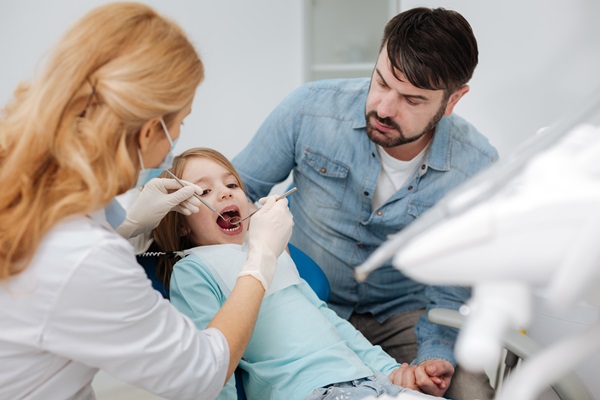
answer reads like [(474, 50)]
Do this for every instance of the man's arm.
[(436, 341), (431, 372), (269, 157)]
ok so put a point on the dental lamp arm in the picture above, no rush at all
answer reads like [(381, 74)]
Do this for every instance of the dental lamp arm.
[(524, 347), (534, 375), (578, 273)]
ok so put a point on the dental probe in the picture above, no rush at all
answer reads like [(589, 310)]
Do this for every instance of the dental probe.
[(238, 221), (182, 183)]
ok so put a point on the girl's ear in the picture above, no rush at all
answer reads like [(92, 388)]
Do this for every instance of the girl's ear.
[(183, 229)]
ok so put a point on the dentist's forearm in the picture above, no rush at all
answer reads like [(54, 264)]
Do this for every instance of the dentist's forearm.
[(237, 317)]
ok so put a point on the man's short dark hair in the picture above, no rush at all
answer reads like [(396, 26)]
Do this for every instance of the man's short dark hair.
[(434, 48)]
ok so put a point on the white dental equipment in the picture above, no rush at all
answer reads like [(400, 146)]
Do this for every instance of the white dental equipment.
[(529, 222)]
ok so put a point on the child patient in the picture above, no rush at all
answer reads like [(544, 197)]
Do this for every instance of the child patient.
[(300, 349)]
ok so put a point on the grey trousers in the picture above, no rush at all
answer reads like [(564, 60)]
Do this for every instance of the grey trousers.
[(397, 337)]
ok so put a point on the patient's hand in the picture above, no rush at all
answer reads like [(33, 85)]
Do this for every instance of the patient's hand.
[(431, 376)]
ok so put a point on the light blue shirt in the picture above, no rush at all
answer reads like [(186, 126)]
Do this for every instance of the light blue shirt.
[(318, 133), (298, 343)]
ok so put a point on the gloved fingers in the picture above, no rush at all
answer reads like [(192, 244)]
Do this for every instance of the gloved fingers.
[(172, 184), (188, 207), (162, 185), (274, 219), (263, 200), (281, 204), (268, 202), (197, 188), (157, 198), (185, 193), (182, 210), (192, 202), (268, 234)]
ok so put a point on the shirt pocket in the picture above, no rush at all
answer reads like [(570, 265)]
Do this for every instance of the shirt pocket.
[(326, 179), (416, 208)]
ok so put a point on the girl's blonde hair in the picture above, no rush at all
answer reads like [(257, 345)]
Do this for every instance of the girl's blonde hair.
[(68, 140), (167, 234)]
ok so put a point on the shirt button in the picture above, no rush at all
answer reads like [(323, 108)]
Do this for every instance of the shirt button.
[(410, 187), (373, 154), (361, 245), (379, 212), (423, 166), (323, 170), (366, 193)]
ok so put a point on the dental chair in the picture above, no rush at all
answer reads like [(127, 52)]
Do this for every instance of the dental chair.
[(518, 347)]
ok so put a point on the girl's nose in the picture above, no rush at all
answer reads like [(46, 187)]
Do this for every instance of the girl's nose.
[(225, 193)]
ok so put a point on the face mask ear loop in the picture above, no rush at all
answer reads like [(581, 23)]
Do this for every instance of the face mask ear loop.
[(139, 153), (162, 122)]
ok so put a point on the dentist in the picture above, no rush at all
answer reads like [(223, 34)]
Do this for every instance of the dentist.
[(105, 111)]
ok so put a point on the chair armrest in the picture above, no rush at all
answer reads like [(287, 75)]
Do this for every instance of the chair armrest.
[(568, 387)]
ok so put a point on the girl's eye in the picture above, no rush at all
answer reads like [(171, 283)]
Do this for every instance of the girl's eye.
[(205, 192), (232, 185)]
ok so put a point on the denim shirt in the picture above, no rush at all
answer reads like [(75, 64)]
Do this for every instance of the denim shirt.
[(318, 133)]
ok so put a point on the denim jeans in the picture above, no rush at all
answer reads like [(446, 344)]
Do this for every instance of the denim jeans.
[(371, 386)]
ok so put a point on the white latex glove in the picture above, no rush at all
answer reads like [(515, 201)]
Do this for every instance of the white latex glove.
[(155, 201), (268, 236)]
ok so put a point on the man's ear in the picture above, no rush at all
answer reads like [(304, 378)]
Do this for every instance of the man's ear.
[(147, 132), (454, 98)]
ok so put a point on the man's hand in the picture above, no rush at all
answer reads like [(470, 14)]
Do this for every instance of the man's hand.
[(431, 376)]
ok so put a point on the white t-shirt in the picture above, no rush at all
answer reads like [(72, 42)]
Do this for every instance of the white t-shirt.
[(393, 175), (84, 304)]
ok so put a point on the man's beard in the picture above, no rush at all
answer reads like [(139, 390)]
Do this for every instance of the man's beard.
[(392, 141)]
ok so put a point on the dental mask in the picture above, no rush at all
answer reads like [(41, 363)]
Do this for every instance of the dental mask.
[(147, 174)]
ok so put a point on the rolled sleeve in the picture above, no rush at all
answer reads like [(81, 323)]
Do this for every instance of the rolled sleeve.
[(437, 341)]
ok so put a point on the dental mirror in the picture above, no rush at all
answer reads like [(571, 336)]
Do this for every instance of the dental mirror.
[(238, 220)]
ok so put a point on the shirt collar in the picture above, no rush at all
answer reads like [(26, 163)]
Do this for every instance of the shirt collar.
[(360, 121), (439, 152)]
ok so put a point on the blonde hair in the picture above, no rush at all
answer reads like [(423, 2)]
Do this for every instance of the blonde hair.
[(166, 234), (68, 139)]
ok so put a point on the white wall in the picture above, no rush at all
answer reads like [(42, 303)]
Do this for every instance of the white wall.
[(251, 51)]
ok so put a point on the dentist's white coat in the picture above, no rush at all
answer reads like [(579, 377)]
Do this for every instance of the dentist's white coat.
[(85, 304)]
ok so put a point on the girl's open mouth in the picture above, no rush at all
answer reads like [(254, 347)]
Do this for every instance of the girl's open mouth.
[(224, 222)]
